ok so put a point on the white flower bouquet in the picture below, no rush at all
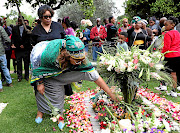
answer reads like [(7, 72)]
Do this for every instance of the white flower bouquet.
[(132, 67)]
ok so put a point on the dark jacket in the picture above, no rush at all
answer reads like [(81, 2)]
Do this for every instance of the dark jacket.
[(19, 40), (133, 36), (39, 34), (111, 32)]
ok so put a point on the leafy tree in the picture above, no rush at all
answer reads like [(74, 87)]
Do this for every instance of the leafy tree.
[(138, 8), (13, 15), (166, 8), (147, 8), (87, 6), (104, 9), (55, 4)]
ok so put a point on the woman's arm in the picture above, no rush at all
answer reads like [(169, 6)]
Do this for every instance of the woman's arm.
[(101, 83)]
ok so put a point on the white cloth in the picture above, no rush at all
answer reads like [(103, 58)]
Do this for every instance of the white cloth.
[(2, 106)]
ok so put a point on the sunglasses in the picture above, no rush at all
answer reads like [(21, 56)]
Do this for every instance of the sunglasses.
[(46, 17)]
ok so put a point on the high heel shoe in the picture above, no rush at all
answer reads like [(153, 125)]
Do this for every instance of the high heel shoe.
[(38, 120), (61, 125)]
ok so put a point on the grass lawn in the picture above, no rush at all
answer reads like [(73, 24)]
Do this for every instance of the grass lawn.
[(20, 113), (152, 84)]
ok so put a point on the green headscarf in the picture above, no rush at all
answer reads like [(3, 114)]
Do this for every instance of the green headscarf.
[(75, 47), (44, 63), (136, 19)]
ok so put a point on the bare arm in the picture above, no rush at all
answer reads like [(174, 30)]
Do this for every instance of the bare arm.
[(101, 83)]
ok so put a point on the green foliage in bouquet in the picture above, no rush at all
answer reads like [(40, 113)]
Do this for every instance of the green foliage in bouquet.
[(130, 68), (83, 27), (80, 30)]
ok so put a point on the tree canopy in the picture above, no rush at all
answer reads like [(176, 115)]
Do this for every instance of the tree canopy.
[(104, 9), (86, 6), (54, 4), (148, 8), (11, 18)]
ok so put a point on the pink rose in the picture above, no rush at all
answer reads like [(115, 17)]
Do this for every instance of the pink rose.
[(135, 61)]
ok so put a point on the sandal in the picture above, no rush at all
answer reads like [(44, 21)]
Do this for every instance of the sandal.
[(38, 120), (61, 125)]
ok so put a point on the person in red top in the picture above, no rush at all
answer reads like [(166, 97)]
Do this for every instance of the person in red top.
[(97, 34), (172, 43)]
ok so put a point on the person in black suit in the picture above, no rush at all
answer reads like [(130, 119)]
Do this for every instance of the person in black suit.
[(21, 43)]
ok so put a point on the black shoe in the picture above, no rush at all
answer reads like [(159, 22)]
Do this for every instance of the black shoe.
[(8, 85), (27, 79), (19, 80)]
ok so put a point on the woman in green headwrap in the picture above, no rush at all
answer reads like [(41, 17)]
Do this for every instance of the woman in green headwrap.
[(55, 64)]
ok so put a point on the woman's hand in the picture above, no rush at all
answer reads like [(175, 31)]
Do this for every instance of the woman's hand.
[(41, 88), (13, 46), (100, 82), (84, 39)]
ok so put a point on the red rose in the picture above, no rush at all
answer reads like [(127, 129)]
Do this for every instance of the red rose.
[(119, 23), (61, 119)]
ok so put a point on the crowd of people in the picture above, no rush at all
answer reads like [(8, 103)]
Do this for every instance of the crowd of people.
[(65, 59)]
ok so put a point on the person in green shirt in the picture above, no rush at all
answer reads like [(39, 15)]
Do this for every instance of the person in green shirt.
[(57, 63), (3, 62)]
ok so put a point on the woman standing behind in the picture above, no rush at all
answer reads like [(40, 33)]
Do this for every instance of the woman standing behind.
[(137, 35), (67, 26), (172, 43), (47, 30)]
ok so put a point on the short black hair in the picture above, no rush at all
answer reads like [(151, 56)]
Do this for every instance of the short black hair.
[(27, 21), (66, 21), (152, 19), (104, 20), (43, 9), (74, 25), (124, 34), (173, 20), (59, 20), (110, 19)]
